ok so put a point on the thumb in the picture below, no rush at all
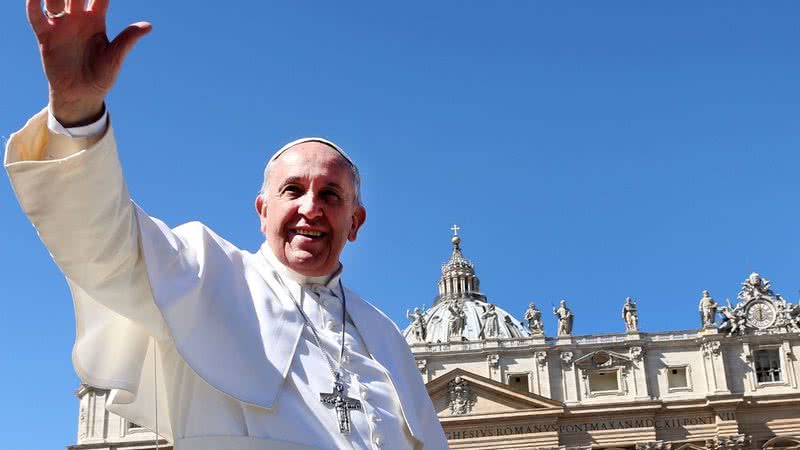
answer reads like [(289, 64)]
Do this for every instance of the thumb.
[(126, 40)]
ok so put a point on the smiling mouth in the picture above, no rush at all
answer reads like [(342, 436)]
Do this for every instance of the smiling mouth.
[(309, 233)]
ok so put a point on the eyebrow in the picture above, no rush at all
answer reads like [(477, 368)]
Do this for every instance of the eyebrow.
[(296, 179), (337, 186), (291, 180)]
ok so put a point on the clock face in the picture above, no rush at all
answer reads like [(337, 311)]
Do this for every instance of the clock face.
[(760, 315)]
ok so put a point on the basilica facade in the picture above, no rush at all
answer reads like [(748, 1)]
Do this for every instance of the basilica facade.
[(500, 383)]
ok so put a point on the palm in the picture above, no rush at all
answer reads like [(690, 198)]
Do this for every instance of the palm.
[(79, 61), (75, 55)]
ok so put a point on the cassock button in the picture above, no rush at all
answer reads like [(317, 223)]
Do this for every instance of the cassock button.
[(375, 417)]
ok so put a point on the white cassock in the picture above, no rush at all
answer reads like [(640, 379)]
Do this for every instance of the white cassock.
[(237, 368)]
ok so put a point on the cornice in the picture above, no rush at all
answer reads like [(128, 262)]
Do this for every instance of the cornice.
[(148, 444), (588, 343)]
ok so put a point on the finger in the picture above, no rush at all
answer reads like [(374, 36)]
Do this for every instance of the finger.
[(77, 5), (126, 40), (36, 17), (99, 7), (55, 6)]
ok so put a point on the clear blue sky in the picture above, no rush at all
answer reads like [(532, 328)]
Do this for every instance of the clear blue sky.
[(589, 151)]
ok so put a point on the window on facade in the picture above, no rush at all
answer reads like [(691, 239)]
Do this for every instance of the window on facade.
[(676, 378), (768, 365), (603, 380), (519, 382)]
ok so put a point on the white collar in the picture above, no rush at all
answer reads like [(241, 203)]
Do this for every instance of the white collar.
[(330, 281)]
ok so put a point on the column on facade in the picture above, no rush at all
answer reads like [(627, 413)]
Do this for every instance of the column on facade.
[(541, 374), (495, 370), (92, 415), (791, 360), (639, 373), (569, 377), (714, 367)]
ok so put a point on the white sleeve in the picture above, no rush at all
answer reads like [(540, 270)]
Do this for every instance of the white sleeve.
[(93, 129), (133, 278), (81, 209)]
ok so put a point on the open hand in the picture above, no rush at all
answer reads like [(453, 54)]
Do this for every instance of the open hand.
[(80, 62)]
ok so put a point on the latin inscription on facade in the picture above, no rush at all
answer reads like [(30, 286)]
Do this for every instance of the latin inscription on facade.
[(658, 424)]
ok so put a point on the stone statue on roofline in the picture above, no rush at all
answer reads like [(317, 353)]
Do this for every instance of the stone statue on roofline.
[(733, 319), (491, 323), (792, 316), (708, 310), (534, 318), (418, 327), (565, 318), (457, 321), (630, 315)]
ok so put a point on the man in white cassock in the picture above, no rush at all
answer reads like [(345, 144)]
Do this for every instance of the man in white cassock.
[(235, 350)]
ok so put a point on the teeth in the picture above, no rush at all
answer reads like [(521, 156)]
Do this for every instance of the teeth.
[(309, 233)]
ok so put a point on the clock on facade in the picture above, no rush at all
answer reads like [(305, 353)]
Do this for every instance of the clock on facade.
[(761, 314)]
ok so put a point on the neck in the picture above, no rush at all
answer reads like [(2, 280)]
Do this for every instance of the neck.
[(301, 279)]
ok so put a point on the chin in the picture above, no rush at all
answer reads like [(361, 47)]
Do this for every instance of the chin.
[(308, 265), (310, 271)]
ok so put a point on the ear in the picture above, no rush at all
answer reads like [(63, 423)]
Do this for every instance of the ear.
[(359, 217), (261, 210)]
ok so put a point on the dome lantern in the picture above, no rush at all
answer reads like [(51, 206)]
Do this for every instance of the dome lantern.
[(460, 312), (458, 274)]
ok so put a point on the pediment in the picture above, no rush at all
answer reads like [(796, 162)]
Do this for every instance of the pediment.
[(602, 359), (690, 446), (462, 393)]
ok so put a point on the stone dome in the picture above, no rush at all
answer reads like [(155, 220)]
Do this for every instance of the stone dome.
[(460, 311)]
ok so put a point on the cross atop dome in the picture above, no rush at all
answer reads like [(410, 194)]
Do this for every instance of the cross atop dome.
[(457, 262), (455, 229), (455, 239)]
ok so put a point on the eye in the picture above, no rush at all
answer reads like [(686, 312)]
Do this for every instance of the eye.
[(292, 190), (330, 194)]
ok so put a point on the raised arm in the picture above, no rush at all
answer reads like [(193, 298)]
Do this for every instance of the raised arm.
[(80, 61), (72, 189)]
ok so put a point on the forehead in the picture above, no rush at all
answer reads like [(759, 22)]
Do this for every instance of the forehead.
[(308, 160)]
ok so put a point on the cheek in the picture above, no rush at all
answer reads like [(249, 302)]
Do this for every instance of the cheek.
[(345, 227), (277, 217), (262, 220), (271, 227)]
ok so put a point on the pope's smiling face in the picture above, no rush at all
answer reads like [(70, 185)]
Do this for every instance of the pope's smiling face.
[(309, 209)]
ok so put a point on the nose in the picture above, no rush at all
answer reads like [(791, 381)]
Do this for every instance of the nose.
[(310, 206)]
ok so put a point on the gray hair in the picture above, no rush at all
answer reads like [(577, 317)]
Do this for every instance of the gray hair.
[(349, 161)]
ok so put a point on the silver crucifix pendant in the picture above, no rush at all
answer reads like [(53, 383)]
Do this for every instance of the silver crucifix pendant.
[(341, 404)]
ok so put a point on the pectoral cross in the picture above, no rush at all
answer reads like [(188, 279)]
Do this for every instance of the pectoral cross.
[(341, 404)]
